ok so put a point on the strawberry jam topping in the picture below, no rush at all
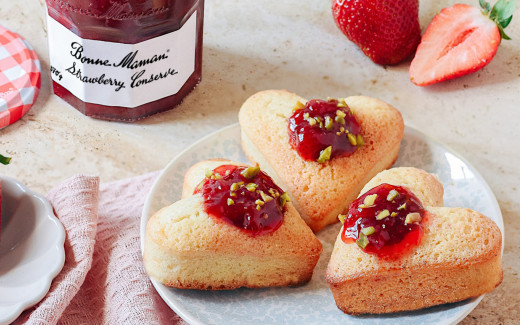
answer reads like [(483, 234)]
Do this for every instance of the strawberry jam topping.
[(385, 221), (245, 197), (321, 130)]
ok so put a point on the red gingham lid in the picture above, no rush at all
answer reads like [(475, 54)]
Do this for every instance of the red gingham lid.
[(19, 77)]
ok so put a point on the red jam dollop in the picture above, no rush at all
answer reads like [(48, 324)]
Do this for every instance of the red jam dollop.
[(323, 129), (385, 221), (245, 197)]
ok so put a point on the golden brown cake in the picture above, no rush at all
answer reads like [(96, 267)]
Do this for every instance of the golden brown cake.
[(195, 173), (459, 257), (187, 248), (319, 191), (424, 185)]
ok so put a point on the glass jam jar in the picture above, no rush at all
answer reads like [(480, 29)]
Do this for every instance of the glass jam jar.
[(124, 59)]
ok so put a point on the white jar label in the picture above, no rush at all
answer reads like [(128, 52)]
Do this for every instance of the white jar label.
[(117, 74)]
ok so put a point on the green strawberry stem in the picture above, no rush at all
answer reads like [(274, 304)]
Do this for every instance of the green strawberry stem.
[(4, 160), (501, 13)]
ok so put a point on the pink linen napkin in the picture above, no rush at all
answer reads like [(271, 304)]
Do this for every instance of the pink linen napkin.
[(103, 280)]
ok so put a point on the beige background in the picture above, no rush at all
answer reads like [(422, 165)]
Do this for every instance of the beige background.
[(255, 45)]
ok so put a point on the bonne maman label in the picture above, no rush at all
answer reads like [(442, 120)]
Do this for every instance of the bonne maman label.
[(117, 74)]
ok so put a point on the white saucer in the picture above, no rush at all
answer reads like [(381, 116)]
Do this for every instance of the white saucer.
[(31, 248)]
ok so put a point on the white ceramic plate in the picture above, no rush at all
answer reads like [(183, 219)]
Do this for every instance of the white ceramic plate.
[(31, 248), (313, 303)]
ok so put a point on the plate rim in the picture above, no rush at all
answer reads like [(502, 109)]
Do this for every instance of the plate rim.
[(147, 202), (192, 319), (59, 246), (474, 170)]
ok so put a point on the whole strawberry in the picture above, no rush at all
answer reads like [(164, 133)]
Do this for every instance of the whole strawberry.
[(461, 39), (387, 31)]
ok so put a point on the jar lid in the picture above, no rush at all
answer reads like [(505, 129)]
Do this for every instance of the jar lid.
[(19, 77)]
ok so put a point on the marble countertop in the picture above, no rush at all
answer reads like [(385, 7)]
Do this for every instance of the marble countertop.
[(255, 45)]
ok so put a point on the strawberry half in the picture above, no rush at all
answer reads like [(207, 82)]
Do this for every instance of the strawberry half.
[(460, 40), (387, 31)]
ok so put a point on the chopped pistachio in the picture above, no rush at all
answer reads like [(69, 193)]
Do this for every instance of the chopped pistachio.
[(251, 187), (230, 201), (342, 102), (299, 105), (200, 185), (340, 120), (265, 197), (338, 133), (340, 113), (234, 187), (393, 214), (233, 194), (208, 173), (368, 231), (250, 172), (4, 160), (312, 121), (330, 98), (342, 129), (352, 139), (359, 140), (258, 208), (284, 198), (362, 241), (412, 217), (328, 122), (274, 192), (383, 214), (342, 217), (259, 202), (402, 206), (392, 195), (228, 172), (306, 115), (325, 155), (370, 199)]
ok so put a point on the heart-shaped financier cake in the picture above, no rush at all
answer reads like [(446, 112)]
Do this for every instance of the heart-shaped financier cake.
[(321, 152), (235, 229), (399, 249)]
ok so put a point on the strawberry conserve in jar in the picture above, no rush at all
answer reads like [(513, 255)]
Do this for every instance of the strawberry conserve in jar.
[(124, 59)]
